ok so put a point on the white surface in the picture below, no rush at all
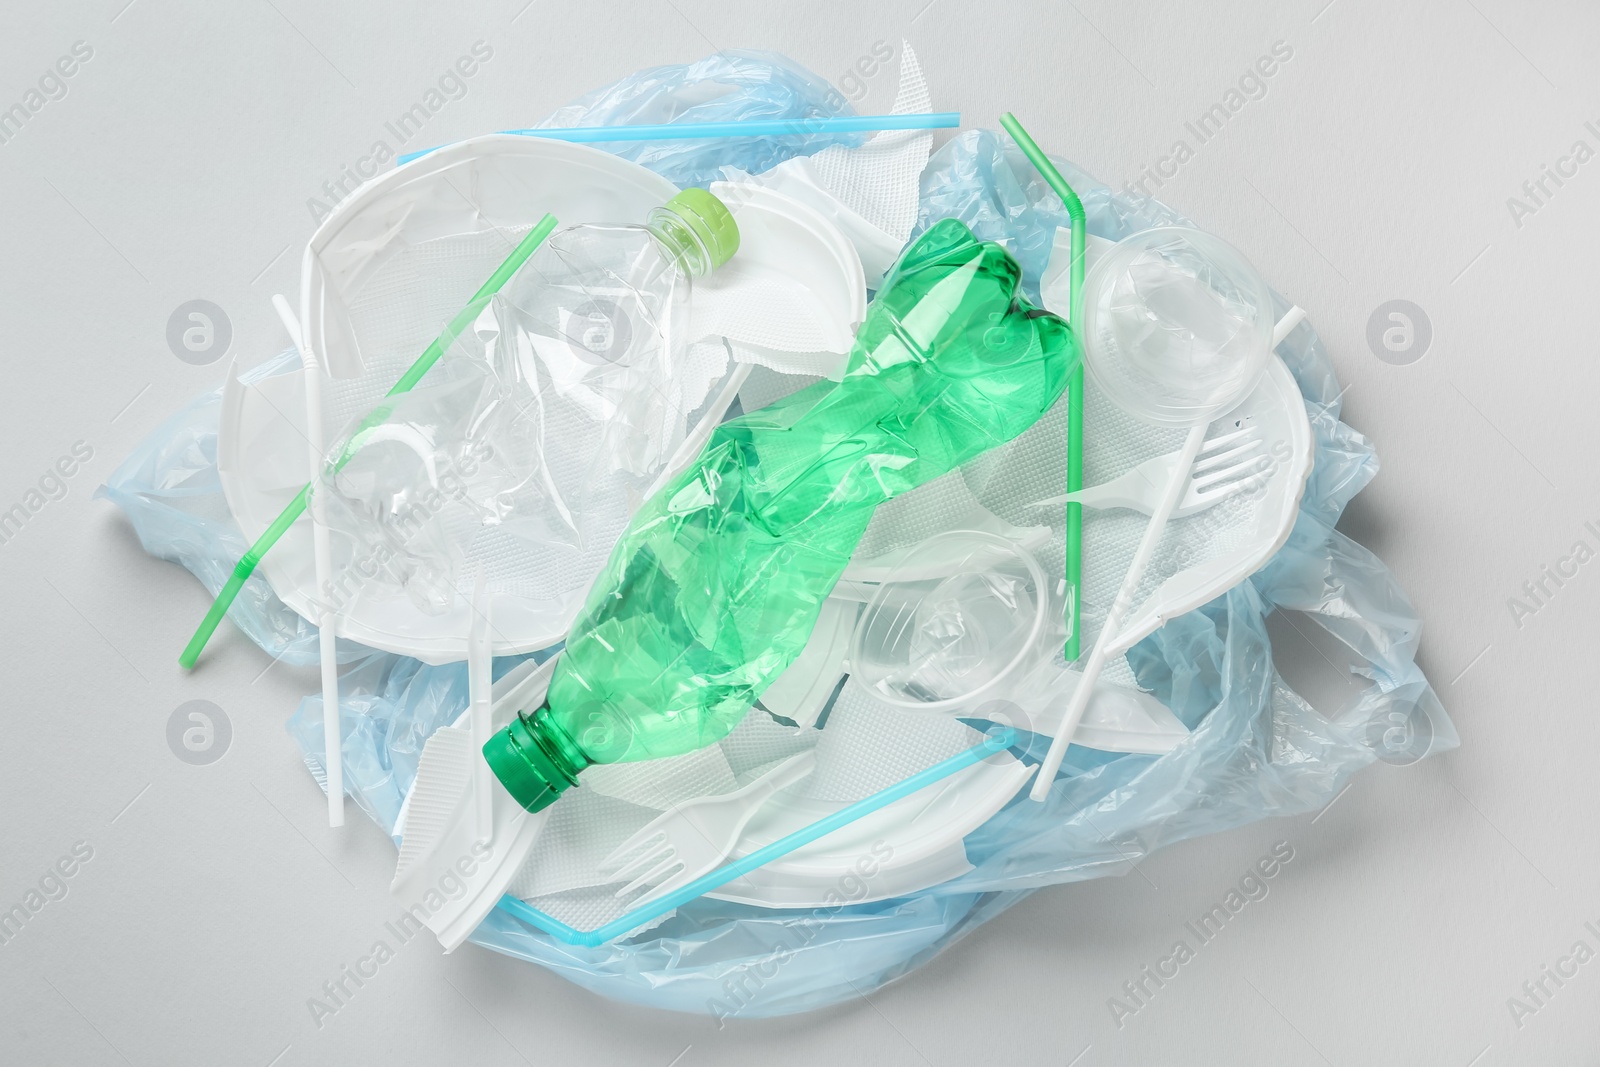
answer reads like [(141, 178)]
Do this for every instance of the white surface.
[(1377, 166)]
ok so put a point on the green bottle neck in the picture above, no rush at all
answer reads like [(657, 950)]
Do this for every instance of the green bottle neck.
[(680, 243), (535, 759)]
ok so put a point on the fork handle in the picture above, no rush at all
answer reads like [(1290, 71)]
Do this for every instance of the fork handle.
[(782, 776), (1102, 498)]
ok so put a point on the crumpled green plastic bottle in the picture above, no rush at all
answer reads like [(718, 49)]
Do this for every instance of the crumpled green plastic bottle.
[(715, 586)]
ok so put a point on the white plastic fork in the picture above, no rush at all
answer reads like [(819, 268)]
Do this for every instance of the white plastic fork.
[(1229, 464), (696, 836)]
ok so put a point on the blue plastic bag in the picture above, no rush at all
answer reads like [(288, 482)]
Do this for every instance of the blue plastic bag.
[(723, 87), (170, 491), (1257, 749)]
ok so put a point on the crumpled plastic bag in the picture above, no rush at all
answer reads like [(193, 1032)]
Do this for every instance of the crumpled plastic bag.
[(170, 491), (1257, 749), (982, 178), (723, 87)]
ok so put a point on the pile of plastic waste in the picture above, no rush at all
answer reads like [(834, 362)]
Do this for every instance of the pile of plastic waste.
[(746, 549)]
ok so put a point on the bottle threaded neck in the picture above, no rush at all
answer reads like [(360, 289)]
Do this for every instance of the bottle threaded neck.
[(682, 245), (697, 230), (535, 759)]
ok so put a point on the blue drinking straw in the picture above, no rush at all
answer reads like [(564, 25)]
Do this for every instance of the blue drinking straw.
[(681, 131), (996, 742)]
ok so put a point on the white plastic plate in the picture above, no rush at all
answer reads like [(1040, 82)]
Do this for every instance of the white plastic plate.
[(505, 183), (1277, 409), (907, 846)]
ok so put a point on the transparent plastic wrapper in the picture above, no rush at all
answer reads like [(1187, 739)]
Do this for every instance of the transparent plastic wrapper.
[(1257, 749)]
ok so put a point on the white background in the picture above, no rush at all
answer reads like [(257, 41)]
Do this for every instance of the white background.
[(1377, 166)]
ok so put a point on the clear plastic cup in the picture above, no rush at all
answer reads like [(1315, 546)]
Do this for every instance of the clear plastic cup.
[(1177, 325), (963, 613)]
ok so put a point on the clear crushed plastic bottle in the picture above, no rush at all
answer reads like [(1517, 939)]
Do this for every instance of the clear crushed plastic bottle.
[(542, 428), (616, 298), (715, 586)]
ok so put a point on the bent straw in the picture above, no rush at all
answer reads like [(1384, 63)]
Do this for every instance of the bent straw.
[(1074, 534), (687, 131), (1110, 629), (430, 355), (991, 745)]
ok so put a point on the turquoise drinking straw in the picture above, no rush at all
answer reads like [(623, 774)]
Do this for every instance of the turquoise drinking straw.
[(679, 131), (996, 742)]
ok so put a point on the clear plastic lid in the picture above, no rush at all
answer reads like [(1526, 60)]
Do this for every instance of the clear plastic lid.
[(1177, 325)]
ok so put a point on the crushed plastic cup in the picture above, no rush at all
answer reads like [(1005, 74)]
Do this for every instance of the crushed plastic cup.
[(963, 613), (1177, 325)]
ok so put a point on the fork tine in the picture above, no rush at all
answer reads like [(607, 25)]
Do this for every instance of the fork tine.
[(1196, 502), (626, 861), (1234, 479), (1209, 483), (653, 875), (669, 884), (1211, 444), (1257, 479), (1248, 448), (646, 862)]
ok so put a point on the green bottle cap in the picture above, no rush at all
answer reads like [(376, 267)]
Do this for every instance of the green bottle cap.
[(531, 761), (710, 220)]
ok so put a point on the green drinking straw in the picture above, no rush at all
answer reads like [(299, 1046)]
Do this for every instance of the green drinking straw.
[(247, 563), (1074, 535)]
